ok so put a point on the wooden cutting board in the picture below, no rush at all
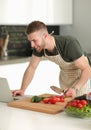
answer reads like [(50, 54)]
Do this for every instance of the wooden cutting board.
[(39, 107)]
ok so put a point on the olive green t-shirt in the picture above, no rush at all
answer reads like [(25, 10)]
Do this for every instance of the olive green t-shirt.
[(68, 47)]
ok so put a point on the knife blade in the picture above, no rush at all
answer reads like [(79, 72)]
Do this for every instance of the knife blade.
[(58, 90)]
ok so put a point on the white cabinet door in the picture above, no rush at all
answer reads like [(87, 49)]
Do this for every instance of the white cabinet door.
[(50, 11), (54, 12)]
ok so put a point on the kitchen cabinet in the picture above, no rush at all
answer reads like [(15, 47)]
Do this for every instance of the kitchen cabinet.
[(52, 12), (46, 75)]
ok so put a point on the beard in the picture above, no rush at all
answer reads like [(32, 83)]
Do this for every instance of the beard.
[(40, 48)]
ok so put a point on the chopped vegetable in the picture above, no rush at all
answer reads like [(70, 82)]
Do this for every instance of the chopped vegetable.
[(79, 108), (46, 100), (37, 99), (54, 99)]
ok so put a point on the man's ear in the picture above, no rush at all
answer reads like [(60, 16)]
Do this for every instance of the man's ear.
[(45, 35)]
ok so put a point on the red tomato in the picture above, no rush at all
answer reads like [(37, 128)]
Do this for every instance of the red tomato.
[(69, 103), (46, 101), (74, 104), (62, 99), (53, 100), (57, 98), (79, 105), (83, 102), (77, 101)]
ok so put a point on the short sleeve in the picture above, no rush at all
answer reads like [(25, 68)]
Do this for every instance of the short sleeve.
[(74, 50), (39, 54)]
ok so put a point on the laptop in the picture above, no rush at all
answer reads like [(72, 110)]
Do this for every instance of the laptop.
[(5, 92)]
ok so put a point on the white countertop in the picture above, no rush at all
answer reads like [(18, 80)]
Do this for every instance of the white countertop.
[(19, 119)]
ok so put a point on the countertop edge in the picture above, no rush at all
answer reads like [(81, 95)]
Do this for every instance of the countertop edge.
[(15, 60)]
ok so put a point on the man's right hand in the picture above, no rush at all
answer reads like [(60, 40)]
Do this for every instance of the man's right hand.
[(17, 92), (70, 93)]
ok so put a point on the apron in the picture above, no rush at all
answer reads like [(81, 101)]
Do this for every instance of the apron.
[(69, 74)]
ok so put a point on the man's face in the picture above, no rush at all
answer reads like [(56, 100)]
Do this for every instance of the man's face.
[(37, 40)]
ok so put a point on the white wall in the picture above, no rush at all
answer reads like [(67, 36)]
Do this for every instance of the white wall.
[(81, 27), (46, 75)]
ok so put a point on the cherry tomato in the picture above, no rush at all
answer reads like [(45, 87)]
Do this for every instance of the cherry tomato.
[(74, 104), (77, 101), (79, 105), (62, 99), (83, 102), (57, 98), (46, 101), (53, 100)]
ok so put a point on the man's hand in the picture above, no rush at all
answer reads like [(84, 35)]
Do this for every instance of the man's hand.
[(17, 92), (70, 93)]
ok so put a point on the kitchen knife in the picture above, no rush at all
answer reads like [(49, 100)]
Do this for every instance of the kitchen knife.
[(58, 90)]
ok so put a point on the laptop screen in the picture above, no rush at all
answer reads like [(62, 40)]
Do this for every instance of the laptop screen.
[(5, 93)]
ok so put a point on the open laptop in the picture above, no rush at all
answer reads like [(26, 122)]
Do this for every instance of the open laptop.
[(5, 92)]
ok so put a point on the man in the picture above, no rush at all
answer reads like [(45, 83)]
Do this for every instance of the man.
[(63, 50)]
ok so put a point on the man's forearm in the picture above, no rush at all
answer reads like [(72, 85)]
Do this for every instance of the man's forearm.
[(86, 74), (27, 78)]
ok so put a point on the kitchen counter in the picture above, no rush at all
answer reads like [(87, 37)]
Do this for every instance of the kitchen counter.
[(19, 59), (13, 60), (19, 119)]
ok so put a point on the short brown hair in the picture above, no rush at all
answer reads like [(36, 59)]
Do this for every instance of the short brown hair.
[(35, 26)]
